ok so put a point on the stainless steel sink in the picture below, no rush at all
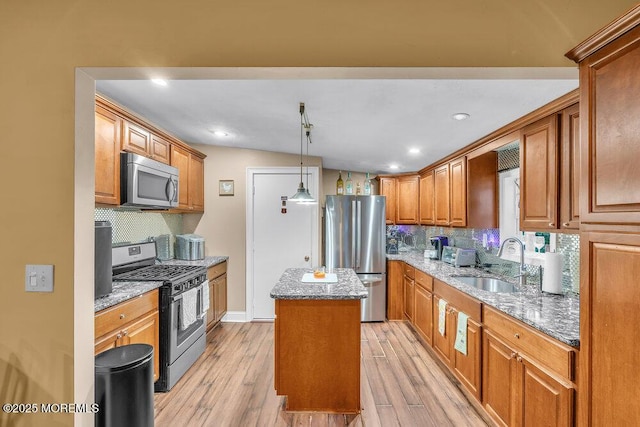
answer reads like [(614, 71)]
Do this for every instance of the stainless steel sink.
[(488, 284)]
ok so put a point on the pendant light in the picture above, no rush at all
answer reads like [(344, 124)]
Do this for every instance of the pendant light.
[(303, 195)]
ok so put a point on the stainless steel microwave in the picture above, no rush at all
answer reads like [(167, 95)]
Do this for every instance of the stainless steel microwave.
[(147, 183)]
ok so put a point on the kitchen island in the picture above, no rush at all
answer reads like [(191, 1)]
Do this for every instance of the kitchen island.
[(317, 341)]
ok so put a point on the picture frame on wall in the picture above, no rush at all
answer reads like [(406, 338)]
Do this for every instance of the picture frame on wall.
[(225, 187)]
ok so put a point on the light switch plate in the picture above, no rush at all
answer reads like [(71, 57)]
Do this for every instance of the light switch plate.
[(38, 278)]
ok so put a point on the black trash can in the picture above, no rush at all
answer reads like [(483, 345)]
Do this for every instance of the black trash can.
[(124, 386)]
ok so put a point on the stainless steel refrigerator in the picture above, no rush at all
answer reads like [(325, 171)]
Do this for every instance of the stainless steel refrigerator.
[(354, 230)]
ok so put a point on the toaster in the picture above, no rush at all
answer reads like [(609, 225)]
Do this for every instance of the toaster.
[(459, 257)]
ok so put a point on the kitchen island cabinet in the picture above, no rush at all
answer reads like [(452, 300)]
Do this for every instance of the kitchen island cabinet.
[(317, 342)]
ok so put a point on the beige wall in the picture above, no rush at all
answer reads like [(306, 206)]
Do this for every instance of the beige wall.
[(224, 221), (46, 160)]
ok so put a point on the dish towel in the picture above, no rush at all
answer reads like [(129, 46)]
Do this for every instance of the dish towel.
[(442, 315), (205, 297), (461, 334), (188, 308)]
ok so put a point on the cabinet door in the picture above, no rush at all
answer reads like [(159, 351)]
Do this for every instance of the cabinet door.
[(221, 297), (498, 379), (427, 207), (108, 130), (409, 297), (136, 139), (388, 189), (407, 205), (468, 368), (180, 160), (196, 183), (610, 132), (542, 400), (482, 191), (145, 330), (441, 194), (395, 290), (539, 175), (458, 187), (443, 344), (211, 312), (609, 325), (107, 342), (160, 149), (423, 316), (570, 169)]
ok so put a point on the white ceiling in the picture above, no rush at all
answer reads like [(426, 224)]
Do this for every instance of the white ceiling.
[(363, 125)]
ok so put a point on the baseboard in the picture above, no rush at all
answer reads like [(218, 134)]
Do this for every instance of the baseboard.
[(235, 316)]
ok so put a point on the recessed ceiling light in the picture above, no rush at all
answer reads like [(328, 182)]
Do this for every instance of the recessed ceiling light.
[(393, 166), (414, 151), (220, 133), (460, 116), (159, 82)]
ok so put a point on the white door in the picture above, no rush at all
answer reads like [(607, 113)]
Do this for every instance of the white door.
[(285, 235)]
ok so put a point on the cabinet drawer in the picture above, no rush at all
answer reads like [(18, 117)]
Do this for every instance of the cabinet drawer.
[(409, 271), (217, 270), (119, 315), (424, 280), (553, 354)]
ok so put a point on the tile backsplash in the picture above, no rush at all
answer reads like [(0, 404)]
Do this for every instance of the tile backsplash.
[(414, 237), (130, 226)]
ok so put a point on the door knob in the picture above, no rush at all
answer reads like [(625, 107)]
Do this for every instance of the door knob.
[(306, 258)]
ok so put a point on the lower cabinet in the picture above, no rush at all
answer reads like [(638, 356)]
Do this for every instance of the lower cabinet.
[(217, 276), (423, 308), (395, 291), (518, 388), (408, 287), (135, 321)]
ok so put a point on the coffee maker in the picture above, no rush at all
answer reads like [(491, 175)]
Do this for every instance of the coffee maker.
[(438, 242)]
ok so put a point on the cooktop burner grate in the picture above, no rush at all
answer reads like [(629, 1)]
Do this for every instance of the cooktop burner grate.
[(165, 273)]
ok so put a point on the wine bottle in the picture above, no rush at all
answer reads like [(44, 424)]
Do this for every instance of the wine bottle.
[(349, 184), (339, 185), (367, 186)]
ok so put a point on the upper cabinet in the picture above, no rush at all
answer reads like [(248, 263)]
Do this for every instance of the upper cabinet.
[(117, 130), (458, 189), (539, 175), (441, 194), (570, 168), (388, 189), (407, 202), (427, 208), (108, 133), (482, 190)]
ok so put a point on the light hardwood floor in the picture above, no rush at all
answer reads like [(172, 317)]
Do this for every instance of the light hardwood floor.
[(232, 384)]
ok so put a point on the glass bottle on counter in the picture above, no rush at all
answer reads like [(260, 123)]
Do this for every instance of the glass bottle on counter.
[(358, 189), (349, 185), (339, 185), (367, 185)]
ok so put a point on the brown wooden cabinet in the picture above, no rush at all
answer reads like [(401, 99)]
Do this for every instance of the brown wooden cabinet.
[(426, 199), (191, 167), (395, 290), (136, 139), (458, 189), (108, 134), (407, 202), (528, 378), (423, 311), (408, 287), (217, 276), (539, 175), (135, 321), (388, 189), (317, 354), (159, 149), (441, 194), (482, 190), (570, 168)]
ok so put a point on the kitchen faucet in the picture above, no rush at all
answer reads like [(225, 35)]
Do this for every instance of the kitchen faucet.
[(523, 269)]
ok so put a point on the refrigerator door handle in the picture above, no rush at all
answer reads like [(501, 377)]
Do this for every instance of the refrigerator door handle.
[(353, 233), (358, 232)]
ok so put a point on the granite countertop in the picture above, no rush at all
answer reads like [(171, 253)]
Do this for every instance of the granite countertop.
[(555, 315), (290, 286), (123, 291)]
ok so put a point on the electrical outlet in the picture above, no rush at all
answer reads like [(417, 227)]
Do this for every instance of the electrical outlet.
[(38, 278)]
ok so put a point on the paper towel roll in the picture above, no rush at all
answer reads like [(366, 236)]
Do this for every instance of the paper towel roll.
[(552, 276)]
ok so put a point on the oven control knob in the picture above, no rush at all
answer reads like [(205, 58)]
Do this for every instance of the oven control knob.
[(176, 287)]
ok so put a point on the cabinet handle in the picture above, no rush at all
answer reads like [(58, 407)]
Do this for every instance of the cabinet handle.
[(118, 336), (124, 333), (519, 359), (566, 224), (552, 224), (513, 355), (517, 336), (122, 316)]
